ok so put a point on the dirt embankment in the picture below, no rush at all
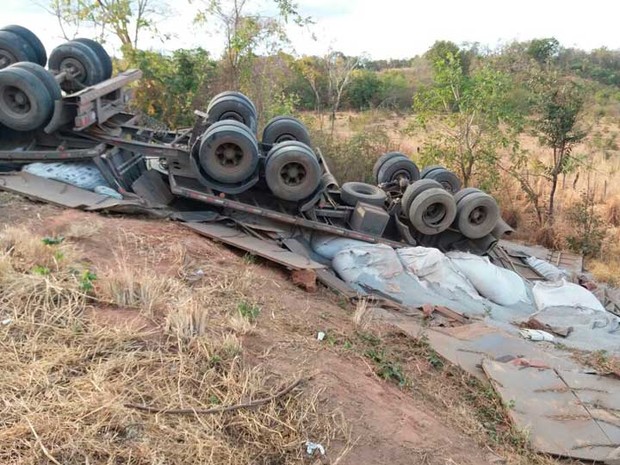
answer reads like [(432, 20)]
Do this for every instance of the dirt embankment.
[(135, 311)]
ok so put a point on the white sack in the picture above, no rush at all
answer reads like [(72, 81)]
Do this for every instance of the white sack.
[(564, 294), (499, 285), (432, 266), (546, 269), (328, 246), (377, 260)]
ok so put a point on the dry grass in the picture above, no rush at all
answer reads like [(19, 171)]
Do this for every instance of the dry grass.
[(606, 268), (65, 379), (363, 316), (601, 361), (83, 229), (28, 251), (241, 325), (187, 319), (607, 271), (140, 288)]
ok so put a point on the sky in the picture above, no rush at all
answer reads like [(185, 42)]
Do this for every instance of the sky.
[(380, 29)]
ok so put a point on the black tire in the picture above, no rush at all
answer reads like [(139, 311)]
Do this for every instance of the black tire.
[(432, 211), (233, 106), (446, 178), (502, 229), (235, 94), (465, 192), (25, 103), (292, 171), (428, 169), (104, 57), (80, 60), (414, 189), (285, 128), (477, 215), (44, 76), (14, 48), (229, 152), (32, 39), (398, 168), (382, 159), (353, 192)]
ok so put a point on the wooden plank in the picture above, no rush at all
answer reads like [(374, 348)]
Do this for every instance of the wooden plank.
[(266, 249)]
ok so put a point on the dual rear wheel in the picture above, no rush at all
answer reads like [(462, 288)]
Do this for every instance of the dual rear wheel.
[(28, 91)]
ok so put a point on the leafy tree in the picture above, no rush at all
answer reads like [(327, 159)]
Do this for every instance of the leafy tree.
[(469, 119), (543, 50), (396, 90), (313, 72), (558, 108), (339, 70), (171, 84), (365, 90), (443, 51), (588, 228), (127, 20), (247, 32)]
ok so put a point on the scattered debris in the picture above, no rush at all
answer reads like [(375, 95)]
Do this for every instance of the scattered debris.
[(320, 336), (306, 279), (533, 323), (536, 335), (312, 447)]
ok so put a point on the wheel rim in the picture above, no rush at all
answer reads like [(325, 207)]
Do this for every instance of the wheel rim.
[(434, 214), (400, 175), (6, 58), (232, 115), (73, 68), (293, 174), (447, 186), (229, 155), (285, 138), (478, 215), (16, 101)]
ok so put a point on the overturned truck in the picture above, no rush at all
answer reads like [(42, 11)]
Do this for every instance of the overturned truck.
[(75, 111)]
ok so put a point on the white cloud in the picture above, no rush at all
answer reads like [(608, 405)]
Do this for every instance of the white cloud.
[(385, 28)]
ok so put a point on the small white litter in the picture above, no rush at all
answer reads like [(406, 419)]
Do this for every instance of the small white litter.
[(536, 335), (312, 447), (320, 336)]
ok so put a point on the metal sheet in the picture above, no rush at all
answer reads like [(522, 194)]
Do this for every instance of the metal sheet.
[(467, 345), (151, 187), (565, 413), (59, 193), (269, 250)]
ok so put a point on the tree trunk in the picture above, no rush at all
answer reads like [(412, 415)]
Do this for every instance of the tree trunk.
[(550, 210)]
